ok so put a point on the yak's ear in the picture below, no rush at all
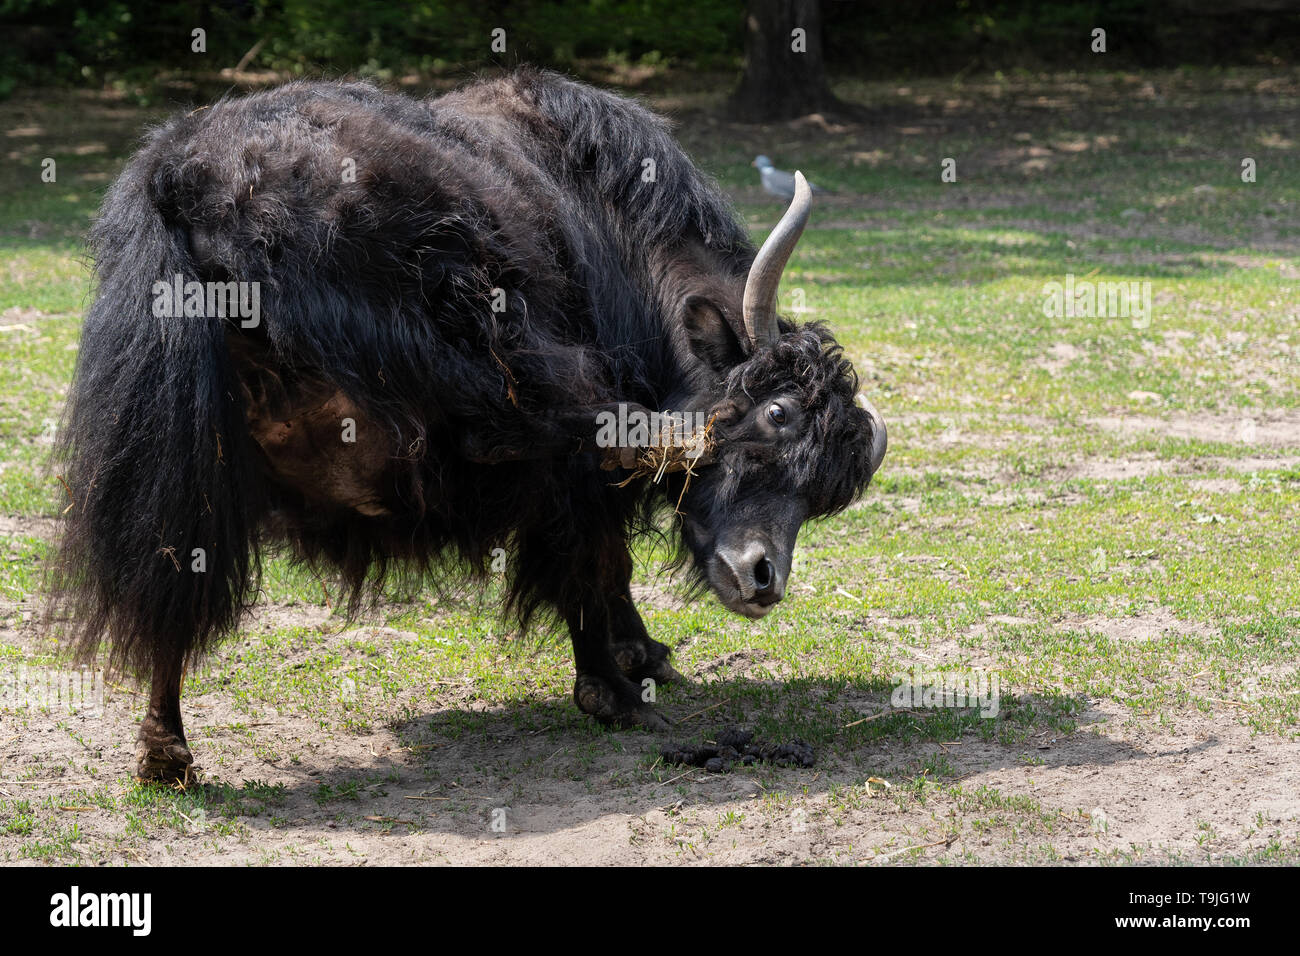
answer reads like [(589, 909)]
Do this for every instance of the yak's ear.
[(712, 338)]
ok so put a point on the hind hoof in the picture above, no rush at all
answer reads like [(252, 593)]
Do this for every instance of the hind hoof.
[(164, 760)]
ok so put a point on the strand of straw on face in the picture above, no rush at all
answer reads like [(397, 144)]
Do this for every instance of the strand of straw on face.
[(658, 460)]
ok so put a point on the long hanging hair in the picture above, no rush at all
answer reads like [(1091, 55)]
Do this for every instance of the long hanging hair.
[(381, 231)]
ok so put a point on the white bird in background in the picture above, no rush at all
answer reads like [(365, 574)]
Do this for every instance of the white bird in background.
[(777, 181)]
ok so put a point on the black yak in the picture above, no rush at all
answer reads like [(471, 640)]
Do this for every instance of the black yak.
[(424, 311)]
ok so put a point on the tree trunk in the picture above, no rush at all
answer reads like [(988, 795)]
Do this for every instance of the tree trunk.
[(784, 76)]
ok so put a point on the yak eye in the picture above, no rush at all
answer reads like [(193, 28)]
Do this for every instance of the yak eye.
[(776, 414)]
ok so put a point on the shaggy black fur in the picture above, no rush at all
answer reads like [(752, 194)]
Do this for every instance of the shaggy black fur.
[(376, 295)]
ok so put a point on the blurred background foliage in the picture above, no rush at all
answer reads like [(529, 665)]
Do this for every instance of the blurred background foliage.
[(84, 42)]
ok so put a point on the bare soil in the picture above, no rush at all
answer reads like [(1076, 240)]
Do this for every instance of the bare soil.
[(1205, 787)]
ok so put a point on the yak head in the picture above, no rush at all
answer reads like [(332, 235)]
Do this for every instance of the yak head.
[(792, 438)]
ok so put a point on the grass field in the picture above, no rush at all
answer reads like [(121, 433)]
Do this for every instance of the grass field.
[(1100, 511)]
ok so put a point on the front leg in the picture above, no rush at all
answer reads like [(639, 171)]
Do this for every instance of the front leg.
[(612, 652), (601, 688), (639, 656)]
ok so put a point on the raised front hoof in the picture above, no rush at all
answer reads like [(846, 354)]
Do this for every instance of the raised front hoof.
[(649, 660), (661, 672), (617, 704), (164, 759)]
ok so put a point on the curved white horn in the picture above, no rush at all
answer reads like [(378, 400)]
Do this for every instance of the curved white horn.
[(765, 274)]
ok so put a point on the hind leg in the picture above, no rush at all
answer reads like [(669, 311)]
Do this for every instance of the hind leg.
[(161, 754)]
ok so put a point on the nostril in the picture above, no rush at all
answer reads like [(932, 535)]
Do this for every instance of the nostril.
[(764, 576)]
